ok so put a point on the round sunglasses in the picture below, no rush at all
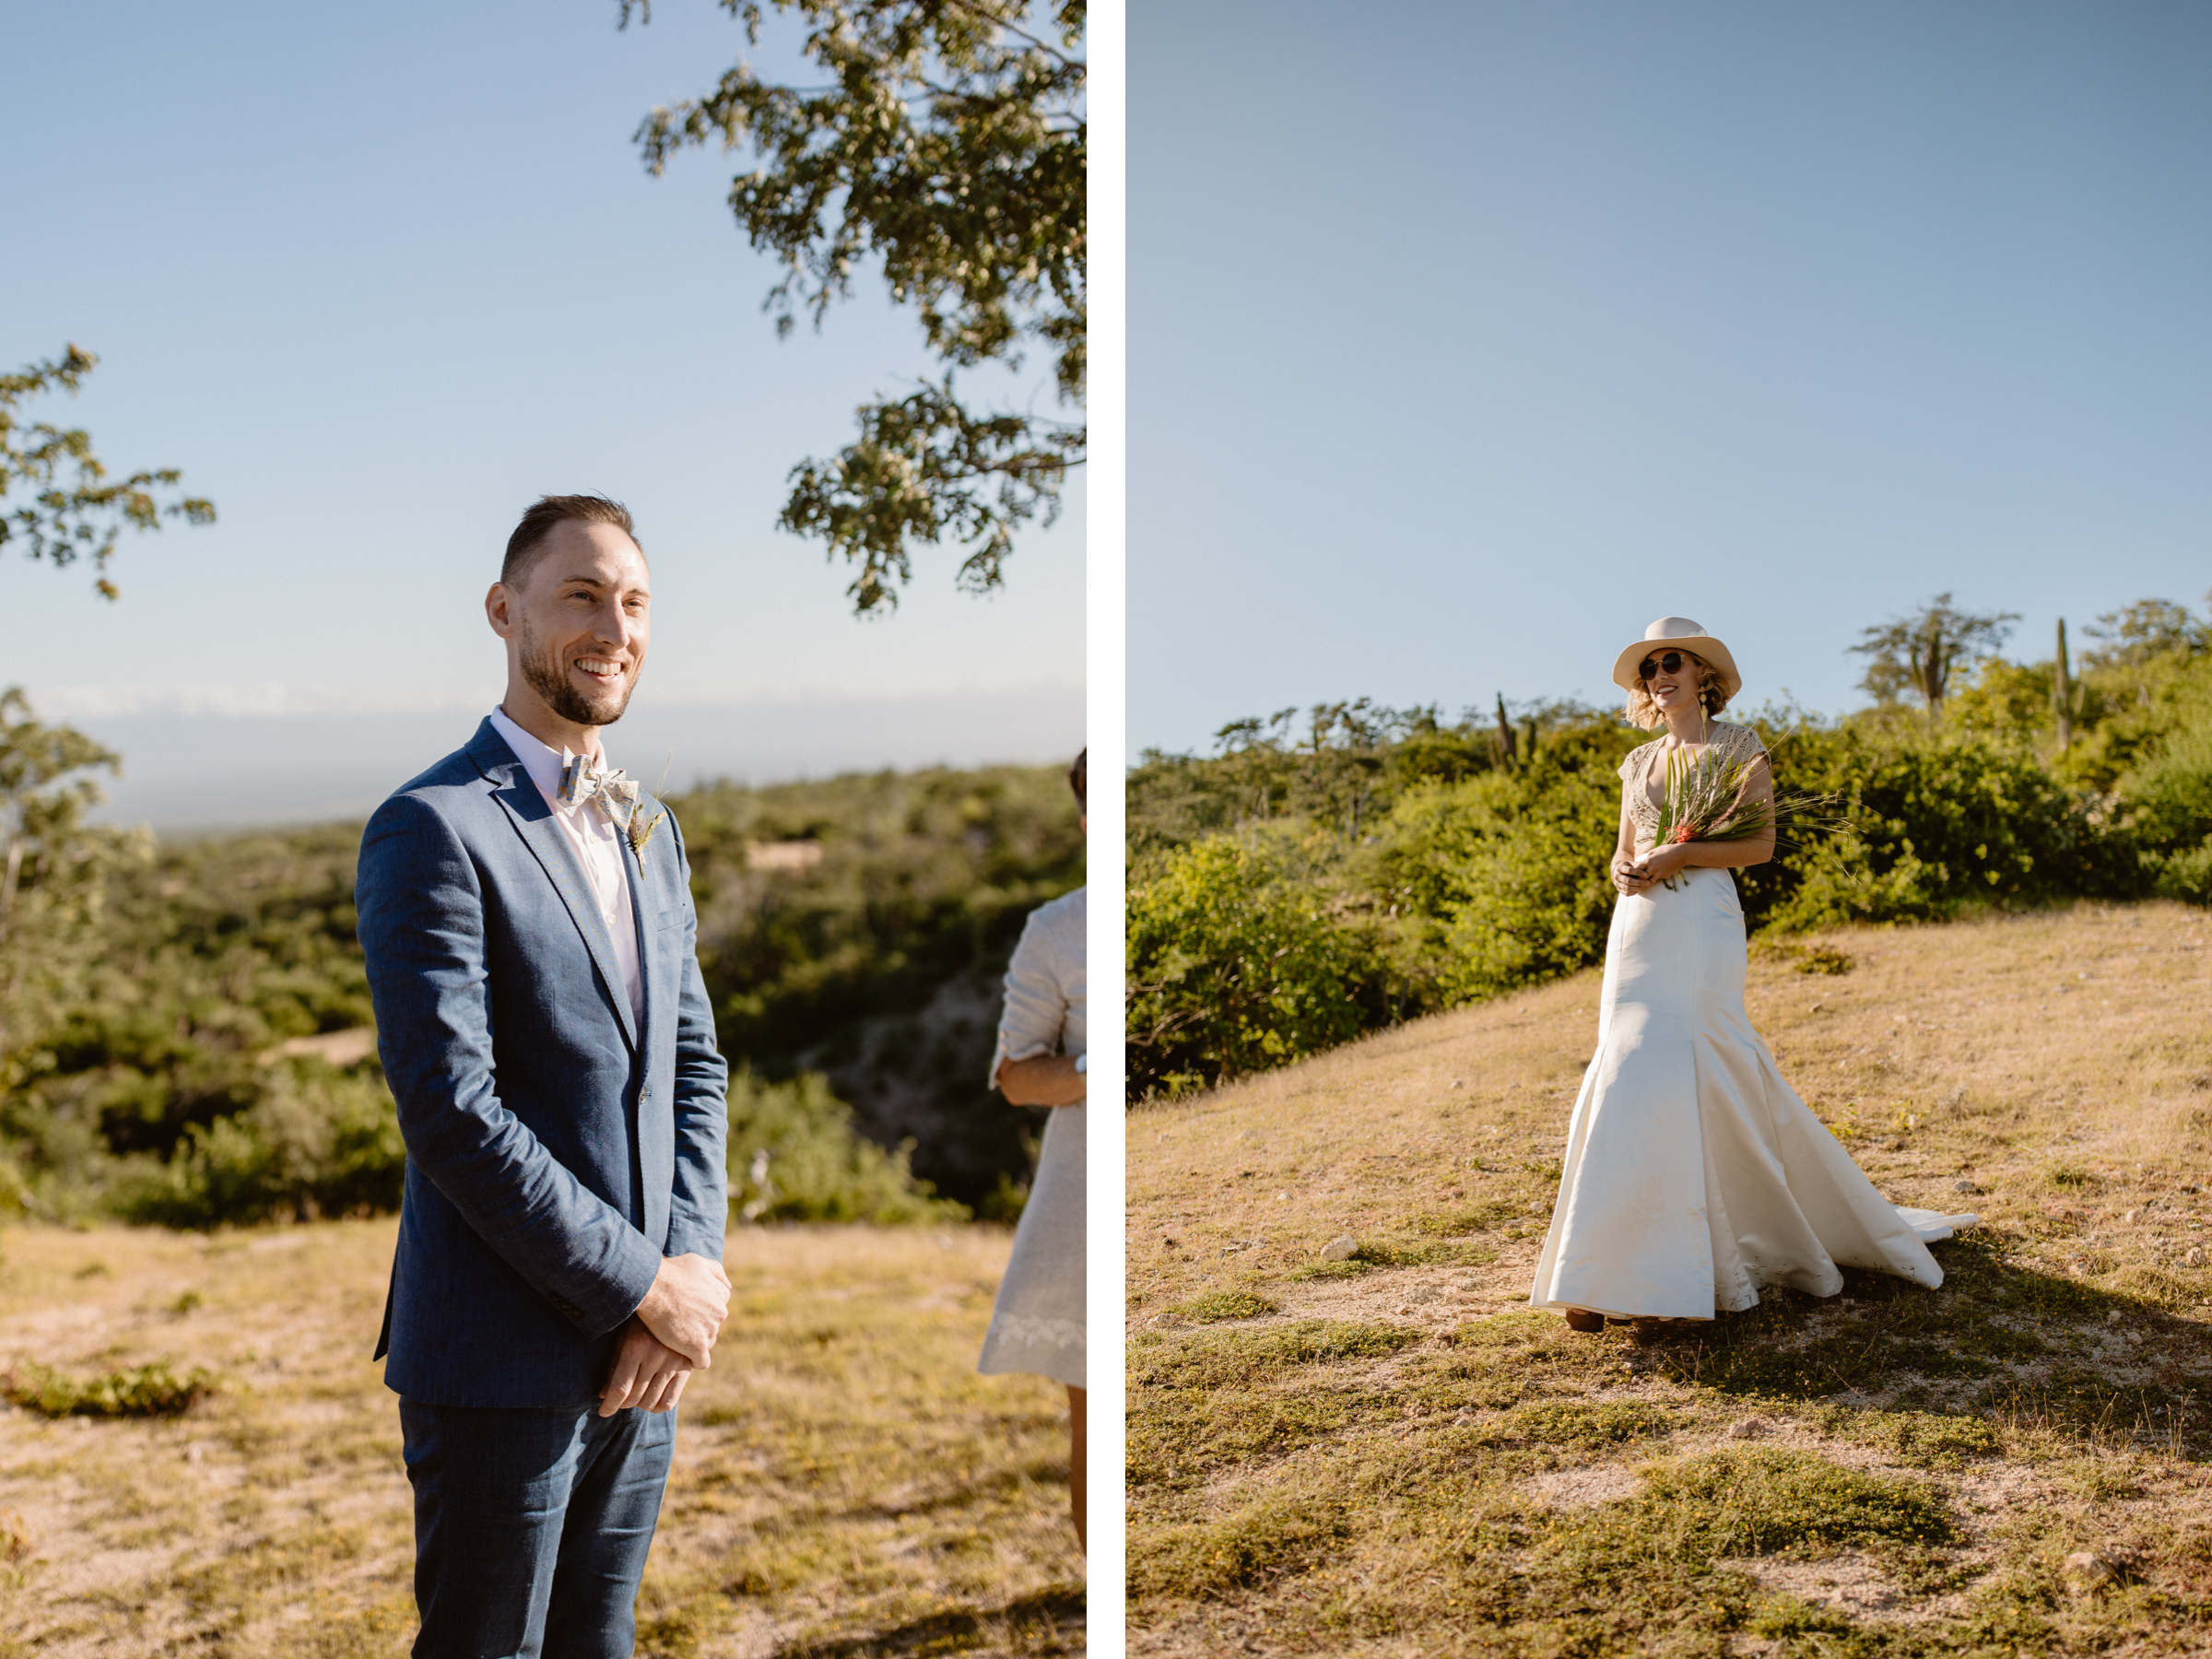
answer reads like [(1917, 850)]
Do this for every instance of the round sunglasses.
[(1666, 663)]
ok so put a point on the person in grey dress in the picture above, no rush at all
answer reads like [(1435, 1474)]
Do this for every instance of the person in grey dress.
[(1037, 1324)]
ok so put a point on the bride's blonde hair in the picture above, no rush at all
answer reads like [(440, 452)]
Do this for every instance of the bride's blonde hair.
[(1644, 713)]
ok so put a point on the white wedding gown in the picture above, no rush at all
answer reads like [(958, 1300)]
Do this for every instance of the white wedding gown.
[(1694, 1175)]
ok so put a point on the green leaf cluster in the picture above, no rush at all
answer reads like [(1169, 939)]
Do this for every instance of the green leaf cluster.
[(944, 144), (315, 1141), (56, 497)]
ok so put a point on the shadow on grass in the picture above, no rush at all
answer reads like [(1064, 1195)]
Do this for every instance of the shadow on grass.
[(1445, 1533), (2033, 1349), (1049, 1623), (998, 1485)]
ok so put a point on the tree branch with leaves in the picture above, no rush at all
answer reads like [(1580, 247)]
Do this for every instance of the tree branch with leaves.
[(1924, 651), (53, 865), (947, 148), (2145, 631), (56, 498)]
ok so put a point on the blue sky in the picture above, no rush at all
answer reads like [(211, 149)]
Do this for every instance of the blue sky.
[(374, 278), (1465, 340)]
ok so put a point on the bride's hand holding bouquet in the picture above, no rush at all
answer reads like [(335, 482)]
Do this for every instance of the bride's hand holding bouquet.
[(1658, 867), (1711, 797)]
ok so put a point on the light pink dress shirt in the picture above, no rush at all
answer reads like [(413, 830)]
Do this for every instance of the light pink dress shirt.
[(596, 839)]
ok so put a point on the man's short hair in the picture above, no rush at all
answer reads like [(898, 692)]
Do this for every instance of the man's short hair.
[(548, 511), (1078, 775)]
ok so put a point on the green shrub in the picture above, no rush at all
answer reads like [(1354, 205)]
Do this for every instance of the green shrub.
[(1288, 893), (1940, 823), (1215, 1305), (1247, 1547), (877, 961), (794, 1157), (1775, 1501), (1505, 879), (1236, 963), (319, 1141), (142, 1391), (2169, 797)]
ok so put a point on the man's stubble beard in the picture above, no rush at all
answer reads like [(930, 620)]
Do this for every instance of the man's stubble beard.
[(542, 673)]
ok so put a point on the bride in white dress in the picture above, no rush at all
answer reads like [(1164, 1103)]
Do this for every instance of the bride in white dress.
[(1694, 1175)]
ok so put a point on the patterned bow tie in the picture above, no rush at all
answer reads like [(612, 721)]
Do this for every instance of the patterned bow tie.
[(614, 789)]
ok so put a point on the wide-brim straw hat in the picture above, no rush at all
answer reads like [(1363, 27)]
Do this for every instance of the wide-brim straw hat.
[(1679, 633)]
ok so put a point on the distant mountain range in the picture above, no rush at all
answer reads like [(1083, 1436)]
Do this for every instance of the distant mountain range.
[(189, 771)]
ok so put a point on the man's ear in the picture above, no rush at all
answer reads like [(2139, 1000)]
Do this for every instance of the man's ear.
[(498, 608)]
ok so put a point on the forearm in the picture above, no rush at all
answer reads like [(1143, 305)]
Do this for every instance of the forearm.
[(699, 1207), (1728, 855), (699, 1211), (1045, 1081)]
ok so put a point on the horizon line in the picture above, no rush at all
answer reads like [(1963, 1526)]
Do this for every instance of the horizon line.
[(284, 701)]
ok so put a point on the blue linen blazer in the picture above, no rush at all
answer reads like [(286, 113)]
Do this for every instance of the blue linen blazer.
[(556, 1151)]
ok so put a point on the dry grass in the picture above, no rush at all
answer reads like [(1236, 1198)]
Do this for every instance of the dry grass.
[(845, 1483), (1392, 1455)]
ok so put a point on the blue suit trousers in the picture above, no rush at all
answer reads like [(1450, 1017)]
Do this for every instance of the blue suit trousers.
[(531, 1525)]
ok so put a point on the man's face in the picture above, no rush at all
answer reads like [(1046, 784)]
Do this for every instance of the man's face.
[(577, 623)]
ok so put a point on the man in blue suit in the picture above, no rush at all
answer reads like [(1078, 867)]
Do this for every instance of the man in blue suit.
[(526, 915)]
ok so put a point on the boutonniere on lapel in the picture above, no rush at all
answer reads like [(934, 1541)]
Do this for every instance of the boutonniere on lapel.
[(642, 828), (638, 828)]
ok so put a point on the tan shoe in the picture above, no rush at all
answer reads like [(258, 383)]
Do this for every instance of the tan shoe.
[(1582, 1319)]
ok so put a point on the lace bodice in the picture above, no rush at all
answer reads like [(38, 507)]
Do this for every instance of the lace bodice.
[(1735, 742)]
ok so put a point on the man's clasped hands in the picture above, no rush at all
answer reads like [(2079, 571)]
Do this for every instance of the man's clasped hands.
[(671, 1335)]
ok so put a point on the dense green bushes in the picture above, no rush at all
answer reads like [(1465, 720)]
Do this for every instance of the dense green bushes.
[(1236, 964), (320, 1141), (1504, 880), (153, 1087), (1938, 822), (317, 1141), (2170, 790), (794, 1157), (854, 928), (860, 927), (1438, 863)]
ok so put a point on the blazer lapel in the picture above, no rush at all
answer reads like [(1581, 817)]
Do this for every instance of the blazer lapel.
[(532, 820), (635, 865)]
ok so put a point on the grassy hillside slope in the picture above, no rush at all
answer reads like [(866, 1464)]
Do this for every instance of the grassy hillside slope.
[(1392, 1455), (844, 1485)]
